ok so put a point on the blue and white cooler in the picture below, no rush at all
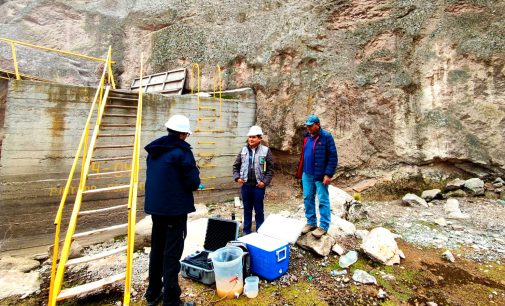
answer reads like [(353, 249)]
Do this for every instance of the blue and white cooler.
[(269, 247)]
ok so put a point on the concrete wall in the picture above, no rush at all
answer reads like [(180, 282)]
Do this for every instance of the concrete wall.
[(42, 127)]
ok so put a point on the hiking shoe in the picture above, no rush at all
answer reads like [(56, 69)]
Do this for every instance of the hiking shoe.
[(156, 301), (319, 232), (307, 228)]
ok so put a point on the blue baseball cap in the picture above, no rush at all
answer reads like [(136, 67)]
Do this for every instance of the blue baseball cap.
[(311, 119)]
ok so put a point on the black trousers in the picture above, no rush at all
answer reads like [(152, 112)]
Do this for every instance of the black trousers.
[(167, 244)]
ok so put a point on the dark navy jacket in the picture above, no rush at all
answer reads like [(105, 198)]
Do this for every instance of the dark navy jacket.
[(325, 155), (171, 177)]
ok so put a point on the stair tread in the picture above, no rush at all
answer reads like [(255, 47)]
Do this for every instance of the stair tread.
[(100, 230), (71, 292), (76, 261), (113, 146), (116, 135), (106, 189), (95, 211), (121, 98), (117, 124), (120, 106), (120, 115), (109, 173), (111, 158)]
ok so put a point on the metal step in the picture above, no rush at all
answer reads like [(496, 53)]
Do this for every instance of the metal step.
[(122, 99), (106, 189), (114, 147), (118, 125), (71, 292), (111, 158), (207, 108), (89, 258), (116, 135), (96, 211), (108, 173), (120, 106), (100, 230), (120, 115)]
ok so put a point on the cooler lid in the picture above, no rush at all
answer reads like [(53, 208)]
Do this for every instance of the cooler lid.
[(268, 244), (219, 233), (282, 228)]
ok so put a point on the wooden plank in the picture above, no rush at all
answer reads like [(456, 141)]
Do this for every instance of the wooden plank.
[(74, 291)]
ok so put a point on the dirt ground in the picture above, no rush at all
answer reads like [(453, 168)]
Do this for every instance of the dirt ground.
[(477, 277)]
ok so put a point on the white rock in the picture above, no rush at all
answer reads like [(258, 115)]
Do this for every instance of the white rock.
[(338, 199), (451, 205), (380, 246), (411, 199), (440, 221), (341, 227), (14, 283), (382, 294), (8, 263), (361, 276), (429, 195), (361, 234), (448, 256), (338, 249)]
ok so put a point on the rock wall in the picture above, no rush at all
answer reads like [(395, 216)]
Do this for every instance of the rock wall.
[(400, 84)]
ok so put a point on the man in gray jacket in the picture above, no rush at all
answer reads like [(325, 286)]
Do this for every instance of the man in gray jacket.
[(253, 170)]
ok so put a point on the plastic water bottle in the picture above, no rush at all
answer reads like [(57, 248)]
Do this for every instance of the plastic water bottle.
[(201, 187), (348, 259)]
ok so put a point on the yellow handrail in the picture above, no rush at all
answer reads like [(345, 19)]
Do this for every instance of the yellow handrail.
[(12, 44), (56, 278), (220, 84), (198, 91), (132, 198), (17, 42)]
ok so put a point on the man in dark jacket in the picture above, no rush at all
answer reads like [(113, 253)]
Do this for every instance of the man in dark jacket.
[(318, 162), (171, 178)]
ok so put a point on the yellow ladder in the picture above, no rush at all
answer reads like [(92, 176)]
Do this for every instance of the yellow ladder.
[(114, 117), (212, 115)]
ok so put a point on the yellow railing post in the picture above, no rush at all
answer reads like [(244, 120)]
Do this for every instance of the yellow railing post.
[(132, 198), (15, 61), (220, 86), (198, 91)]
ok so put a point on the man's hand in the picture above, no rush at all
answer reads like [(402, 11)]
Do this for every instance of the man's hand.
[(326, 180), (260, 185), (240, 181)]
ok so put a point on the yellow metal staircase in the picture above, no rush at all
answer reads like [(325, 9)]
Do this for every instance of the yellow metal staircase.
[(117, 127), (209, 117)]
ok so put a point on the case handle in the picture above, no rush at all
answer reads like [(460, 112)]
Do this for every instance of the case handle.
[(281, 254), (197, 276)]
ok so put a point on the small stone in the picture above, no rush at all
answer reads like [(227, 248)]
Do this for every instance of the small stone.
[(382, 294), (448, 256)]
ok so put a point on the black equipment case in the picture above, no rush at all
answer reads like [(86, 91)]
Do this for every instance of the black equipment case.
[(198, 266)]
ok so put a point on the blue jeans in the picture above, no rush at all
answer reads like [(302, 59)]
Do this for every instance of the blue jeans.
[(310, 187), (252, 197)]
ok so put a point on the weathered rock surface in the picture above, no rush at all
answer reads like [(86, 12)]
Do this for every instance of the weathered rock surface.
[(395, 82), (411, 199), (380, 246), (18, 263), (321, 246)]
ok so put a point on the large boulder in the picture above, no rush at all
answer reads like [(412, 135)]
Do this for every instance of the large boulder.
[(341, 227), (321, 246), (380, 246), (429, 195), (475, 186), (17, 283), (411, 199)]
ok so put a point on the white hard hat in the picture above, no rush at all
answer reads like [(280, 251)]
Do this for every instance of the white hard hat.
[(178, 123), (255, 130)]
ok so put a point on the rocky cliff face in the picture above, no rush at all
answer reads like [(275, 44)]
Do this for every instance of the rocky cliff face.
[(400, 84)]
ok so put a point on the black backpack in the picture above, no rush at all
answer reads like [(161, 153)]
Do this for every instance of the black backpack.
[(246, 259)]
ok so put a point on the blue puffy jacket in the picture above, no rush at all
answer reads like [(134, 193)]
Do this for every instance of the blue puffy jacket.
[(325, 156), (171, 177)]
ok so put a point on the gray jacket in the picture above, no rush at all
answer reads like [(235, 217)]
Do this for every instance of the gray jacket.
[(263, 164)]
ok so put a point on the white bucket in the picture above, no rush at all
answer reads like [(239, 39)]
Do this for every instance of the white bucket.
[(227, 263)]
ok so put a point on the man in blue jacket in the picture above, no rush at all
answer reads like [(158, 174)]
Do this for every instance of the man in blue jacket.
[(171, 178), (318, 162)]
